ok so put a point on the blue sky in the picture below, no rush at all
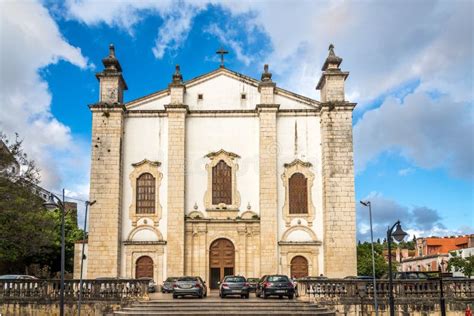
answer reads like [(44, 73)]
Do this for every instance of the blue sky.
[(411, 67)]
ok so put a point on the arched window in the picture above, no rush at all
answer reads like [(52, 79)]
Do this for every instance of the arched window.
[(221, 183), (298, 191), (145, 194)]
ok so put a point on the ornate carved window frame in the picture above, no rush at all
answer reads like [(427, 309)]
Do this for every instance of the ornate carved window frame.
[(151, 167), (298, 166), (230, 159)]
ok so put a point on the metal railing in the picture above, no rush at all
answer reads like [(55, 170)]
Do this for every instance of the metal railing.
[(92, 290)]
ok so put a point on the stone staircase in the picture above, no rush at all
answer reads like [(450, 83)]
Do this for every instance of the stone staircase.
[(217, 306)]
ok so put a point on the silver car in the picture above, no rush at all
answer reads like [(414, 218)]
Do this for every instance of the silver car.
[(189, 285)]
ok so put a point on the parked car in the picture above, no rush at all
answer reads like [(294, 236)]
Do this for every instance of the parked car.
[(408, 275), (189, 285), (17, 277), (151, 284), (252, 284), (234, 285), (358, 277), (275, 285), (167, 286)]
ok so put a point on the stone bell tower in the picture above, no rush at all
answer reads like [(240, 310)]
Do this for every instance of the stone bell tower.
[(337, 171), (106, 171)]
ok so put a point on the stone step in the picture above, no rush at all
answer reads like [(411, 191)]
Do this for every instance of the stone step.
[(210, 308), (326, 313)]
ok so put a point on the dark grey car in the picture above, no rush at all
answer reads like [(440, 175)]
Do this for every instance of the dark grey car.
[(167, 286), (276, 285), (234, 285), (189, 285)]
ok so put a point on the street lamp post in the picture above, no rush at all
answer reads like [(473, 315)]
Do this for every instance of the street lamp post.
[(367, 203), (82, 258), (53, 203), (442, 302), (398, 234)]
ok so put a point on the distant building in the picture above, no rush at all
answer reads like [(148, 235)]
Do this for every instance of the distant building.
[(433, 252), (463, 253)]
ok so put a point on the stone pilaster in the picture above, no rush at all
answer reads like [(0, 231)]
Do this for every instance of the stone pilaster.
[(105, 188), (104, 247), (176, 187), (268, 188), (339, 242)]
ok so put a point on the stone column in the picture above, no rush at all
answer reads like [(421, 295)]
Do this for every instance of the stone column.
[(106, 172), (339, 242), (176, 175), (268, 150)]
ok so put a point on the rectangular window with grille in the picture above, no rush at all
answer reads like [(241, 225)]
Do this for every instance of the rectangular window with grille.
[(298, 187), (146, 194), (221, 184)]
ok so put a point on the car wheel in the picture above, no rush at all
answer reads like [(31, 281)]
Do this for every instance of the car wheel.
[(264, 295), (175, 296), (290, 297), (247, 295), (280, 297), (201, 296), (205, 294)]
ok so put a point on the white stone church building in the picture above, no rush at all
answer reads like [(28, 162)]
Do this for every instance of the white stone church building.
[(221, 174)]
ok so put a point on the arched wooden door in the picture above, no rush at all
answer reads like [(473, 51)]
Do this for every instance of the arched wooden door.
[(299, 267), (221, 260), (144, 267)]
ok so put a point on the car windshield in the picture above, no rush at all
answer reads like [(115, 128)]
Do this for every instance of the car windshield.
[(170, 279), (8, 277), (187, 279), (234, 279), (278, 278)]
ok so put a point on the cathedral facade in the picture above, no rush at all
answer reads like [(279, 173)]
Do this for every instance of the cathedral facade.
[(221, 174)]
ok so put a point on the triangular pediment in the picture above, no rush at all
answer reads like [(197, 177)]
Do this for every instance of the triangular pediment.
[(222, 90)]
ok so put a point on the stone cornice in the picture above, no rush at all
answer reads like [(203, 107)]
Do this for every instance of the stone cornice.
[(110, 107), (131, 242), (222, 221), (144, 161), (300, 243), (267, 107), (298, 162), (222, 151), (177, 108), (338, 106)]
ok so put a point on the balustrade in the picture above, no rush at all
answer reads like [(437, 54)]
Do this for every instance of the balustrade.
[(347, 289), (118, 290)]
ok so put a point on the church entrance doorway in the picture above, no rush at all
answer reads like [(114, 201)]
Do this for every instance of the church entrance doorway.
[(144, 267), (221, 261), (299, 267)]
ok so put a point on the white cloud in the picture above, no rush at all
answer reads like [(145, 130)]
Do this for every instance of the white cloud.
[(30, 41), (418, 221), (430, 133), (226, 38), (174, 31), (405, 171)]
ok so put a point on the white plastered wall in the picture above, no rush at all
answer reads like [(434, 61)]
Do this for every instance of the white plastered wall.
[(233, 134), (308, 149), (144, 138)]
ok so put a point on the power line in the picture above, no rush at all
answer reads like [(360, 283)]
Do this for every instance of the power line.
[(68, 197)]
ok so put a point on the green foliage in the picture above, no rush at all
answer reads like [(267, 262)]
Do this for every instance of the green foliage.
[(364, 259), (30, 235), (26, 228), (463, 265)]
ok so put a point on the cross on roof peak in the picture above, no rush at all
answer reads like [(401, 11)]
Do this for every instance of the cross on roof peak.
[(222, 52)]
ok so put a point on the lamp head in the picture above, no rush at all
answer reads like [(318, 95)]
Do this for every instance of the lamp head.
[(365, 203), (50, 204), (399, 234)]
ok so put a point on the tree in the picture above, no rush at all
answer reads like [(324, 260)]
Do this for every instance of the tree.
[(460, 264), (30, 235), (364, 260), (26, 228)]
